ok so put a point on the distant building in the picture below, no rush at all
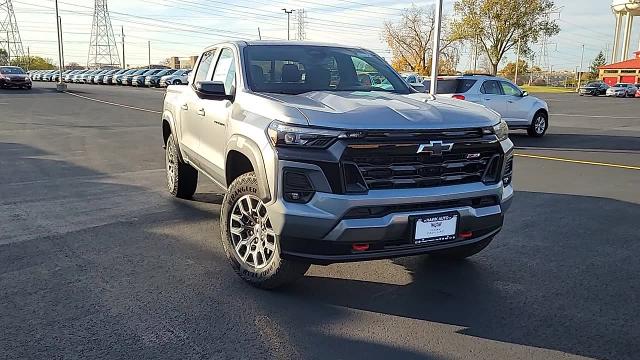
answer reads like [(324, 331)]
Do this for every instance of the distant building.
[(182, 62), (627, 71)]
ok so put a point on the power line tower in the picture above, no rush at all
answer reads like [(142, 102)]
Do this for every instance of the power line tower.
[(301, 17), (9, 34), (102, 49)]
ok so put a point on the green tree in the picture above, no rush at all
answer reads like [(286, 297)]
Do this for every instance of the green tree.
[(498, 25), (509, 71), (600, 60), (3, 57), (34, 63)]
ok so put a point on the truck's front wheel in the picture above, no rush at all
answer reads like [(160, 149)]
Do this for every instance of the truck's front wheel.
[(182, 178), (248, 238)]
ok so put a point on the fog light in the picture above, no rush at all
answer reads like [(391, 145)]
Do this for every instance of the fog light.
[(466, 234), (360, 247)]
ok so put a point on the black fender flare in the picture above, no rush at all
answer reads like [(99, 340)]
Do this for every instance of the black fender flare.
[(251, 151)]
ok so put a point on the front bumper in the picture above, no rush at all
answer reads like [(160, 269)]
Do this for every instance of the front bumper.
[(15, 83), (319, 232)]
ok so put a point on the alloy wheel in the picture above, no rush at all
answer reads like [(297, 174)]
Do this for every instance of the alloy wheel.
[(540, 124), (252, 235), (171, 160)]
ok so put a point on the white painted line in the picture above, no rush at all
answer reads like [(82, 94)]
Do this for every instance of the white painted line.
[(598, 116), (114, 104)]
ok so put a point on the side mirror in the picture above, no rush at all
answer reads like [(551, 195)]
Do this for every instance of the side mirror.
[(211, 90), (524, 93)]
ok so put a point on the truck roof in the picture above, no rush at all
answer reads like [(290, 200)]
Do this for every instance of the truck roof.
[(283, 42)]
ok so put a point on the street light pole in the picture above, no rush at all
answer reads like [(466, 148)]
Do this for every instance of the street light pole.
[(288, 12), (581, 61), (61, 86), (435, 58), (515, 78)]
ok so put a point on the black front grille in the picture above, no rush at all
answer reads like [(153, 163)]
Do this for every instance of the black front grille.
[(397, 166)]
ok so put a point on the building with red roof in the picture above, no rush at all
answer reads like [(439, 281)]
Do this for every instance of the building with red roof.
[(627, 71)]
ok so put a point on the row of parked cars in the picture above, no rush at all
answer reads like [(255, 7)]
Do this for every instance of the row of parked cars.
[(597, 88), (129, 77)]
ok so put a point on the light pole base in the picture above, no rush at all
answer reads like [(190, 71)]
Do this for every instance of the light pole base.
[(60, 87)]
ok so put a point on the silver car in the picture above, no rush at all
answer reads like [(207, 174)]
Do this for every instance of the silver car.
[(519, 109), (180, 77), (622, 90)]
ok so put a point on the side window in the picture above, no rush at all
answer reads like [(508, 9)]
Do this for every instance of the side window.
[(226, 70), (491, 87), (203, 67), (509, 89)]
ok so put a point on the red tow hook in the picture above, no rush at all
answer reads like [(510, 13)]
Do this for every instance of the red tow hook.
[(466, 234), (360, 247)]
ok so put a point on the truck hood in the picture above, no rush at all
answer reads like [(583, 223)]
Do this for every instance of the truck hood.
[(380, 110)]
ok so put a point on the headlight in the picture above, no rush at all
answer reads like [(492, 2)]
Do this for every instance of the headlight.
[(316, 138), (500, 130)]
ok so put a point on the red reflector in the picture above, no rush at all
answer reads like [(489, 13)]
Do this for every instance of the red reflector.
[(466, 234), (458, 96), (360, 247)]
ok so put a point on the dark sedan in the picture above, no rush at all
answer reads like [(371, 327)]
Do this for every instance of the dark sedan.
[(594, 88), (13, 76)]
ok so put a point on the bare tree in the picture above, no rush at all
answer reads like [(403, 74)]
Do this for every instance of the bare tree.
[(411, 39)]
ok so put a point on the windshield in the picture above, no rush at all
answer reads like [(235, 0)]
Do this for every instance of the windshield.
[(11, 70), (296, 69)]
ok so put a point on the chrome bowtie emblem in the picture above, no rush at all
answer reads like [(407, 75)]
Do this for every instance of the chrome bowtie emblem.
[(435, 148)]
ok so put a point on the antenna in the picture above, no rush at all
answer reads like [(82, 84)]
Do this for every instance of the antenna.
[(11, 41), (102, 49)]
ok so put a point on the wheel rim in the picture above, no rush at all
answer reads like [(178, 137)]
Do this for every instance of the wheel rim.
[(540, 125), (172, 165), (252, 235)]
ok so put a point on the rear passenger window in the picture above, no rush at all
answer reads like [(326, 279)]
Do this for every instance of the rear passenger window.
[(491, 87), (203, 67)]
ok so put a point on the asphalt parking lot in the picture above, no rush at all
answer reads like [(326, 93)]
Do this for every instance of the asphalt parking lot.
[(97, 260)]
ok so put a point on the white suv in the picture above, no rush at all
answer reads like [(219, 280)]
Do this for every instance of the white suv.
[(519, 109)]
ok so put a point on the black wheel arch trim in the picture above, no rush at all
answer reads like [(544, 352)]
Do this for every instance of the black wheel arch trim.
[(251, 151)]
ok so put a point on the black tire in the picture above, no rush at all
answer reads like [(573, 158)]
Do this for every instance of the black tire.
[(277, 271), (177, 82), (182, 178), (536, 131), (462, 252)]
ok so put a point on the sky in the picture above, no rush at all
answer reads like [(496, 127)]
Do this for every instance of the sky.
[(183, 27)]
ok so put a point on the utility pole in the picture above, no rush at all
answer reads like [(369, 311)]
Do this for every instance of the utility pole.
[(28, 59), (61, 41), (8, 50), (581, 61), (61, 86), (475, 55), (149, 46), (124, 63), (288, 12), (515, 78), (435, 58)]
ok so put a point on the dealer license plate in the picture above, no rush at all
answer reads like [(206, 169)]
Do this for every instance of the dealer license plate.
[(435, 228)]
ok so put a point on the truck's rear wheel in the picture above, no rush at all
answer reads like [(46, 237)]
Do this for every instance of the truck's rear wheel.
[(462, 252), (182, 178), (248, 238)]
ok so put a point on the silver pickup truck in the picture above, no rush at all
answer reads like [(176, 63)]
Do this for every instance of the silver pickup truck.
[(326, 155)]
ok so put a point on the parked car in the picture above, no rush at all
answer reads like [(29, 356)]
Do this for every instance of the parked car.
[(139, 80), (128, 79), (593, 88), (69, 77), (415, 81), (154, 80), (180, 77), (99, 79), (108, 79), (48, 76), (14, 77), (118, 78), (622, 90), (519, 109), (316, 172)]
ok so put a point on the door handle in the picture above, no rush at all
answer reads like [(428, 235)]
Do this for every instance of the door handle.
[(487, 99), (201, 112), (510, 101), (184, 107)]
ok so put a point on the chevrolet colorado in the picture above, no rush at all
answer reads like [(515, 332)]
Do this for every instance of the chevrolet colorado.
[(320, 167)]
